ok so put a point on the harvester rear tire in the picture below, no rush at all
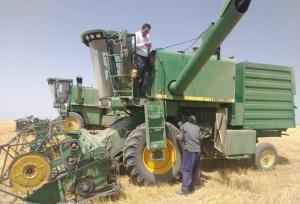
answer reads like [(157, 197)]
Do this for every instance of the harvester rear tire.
[(266, 156), (135, 147)]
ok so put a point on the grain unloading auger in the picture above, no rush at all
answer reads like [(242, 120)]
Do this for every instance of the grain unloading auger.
[(235, 104)]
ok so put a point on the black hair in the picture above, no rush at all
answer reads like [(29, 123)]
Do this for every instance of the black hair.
[(192, 119), (146, 25)]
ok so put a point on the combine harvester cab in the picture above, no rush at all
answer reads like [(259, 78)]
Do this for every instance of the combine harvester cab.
[(78, 106)]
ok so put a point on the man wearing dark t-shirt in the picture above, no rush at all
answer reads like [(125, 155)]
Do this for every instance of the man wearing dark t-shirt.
[(190, 136)]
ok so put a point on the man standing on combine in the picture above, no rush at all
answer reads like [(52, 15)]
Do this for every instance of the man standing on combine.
[(141, 59), (190, 135)]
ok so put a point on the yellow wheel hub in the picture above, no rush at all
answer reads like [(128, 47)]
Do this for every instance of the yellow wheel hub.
[(71, 123), (29, 171), (163, 166), (267, 158)]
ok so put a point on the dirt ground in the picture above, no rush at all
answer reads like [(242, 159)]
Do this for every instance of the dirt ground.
[(222, 181)]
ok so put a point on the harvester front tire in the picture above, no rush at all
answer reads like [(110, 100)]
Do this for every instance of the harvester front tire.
[(266, 156), (136, 164), (73, 121)]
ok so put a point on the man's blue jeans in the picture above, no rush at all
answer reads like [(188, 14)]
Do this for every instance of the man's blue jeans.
[(190, 170)]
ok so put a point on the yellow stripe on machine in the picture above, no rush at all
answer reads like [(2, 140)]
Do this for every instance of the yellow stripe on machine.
[(200, 98), (160, 96)]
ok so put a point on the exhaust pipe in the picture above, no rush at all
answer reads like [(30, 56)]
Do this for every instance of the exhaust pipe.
[(79, 90)]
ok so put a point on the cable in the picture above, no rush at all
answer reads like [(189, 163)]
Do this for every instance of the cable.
[(181, 43), (184, 42), (191, 45)]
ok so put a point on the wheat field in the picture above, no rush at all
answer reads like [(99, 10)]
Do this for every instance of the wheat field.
[(222, 181)]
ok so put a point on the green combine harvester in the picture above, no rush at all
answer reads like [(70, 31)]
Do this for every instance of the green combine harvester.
[(234, 103)]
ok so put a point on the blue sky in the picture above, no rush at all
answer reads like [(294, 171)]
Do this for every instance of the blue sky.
[(41, 38)]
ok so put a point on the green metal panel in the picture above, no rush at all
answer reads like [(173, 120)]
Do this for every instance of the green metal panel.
[(240, 142), (293, 81), (110, 137), (89, 109), (155, 123), (116, 102), (267, 94), (48, 195), (268, 133), (171, 108), (90, 96), (237, 114), (90, 114), (215, 83)]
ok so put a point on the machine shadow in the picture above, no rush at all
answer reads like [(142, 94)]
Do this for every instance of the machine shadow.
[(211, 165), (283, 160)]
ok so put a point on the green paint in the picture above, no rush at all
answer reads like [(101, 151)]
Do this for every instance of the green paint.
[(155, 121), (239, 142), (267, 95), (215, 81)]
